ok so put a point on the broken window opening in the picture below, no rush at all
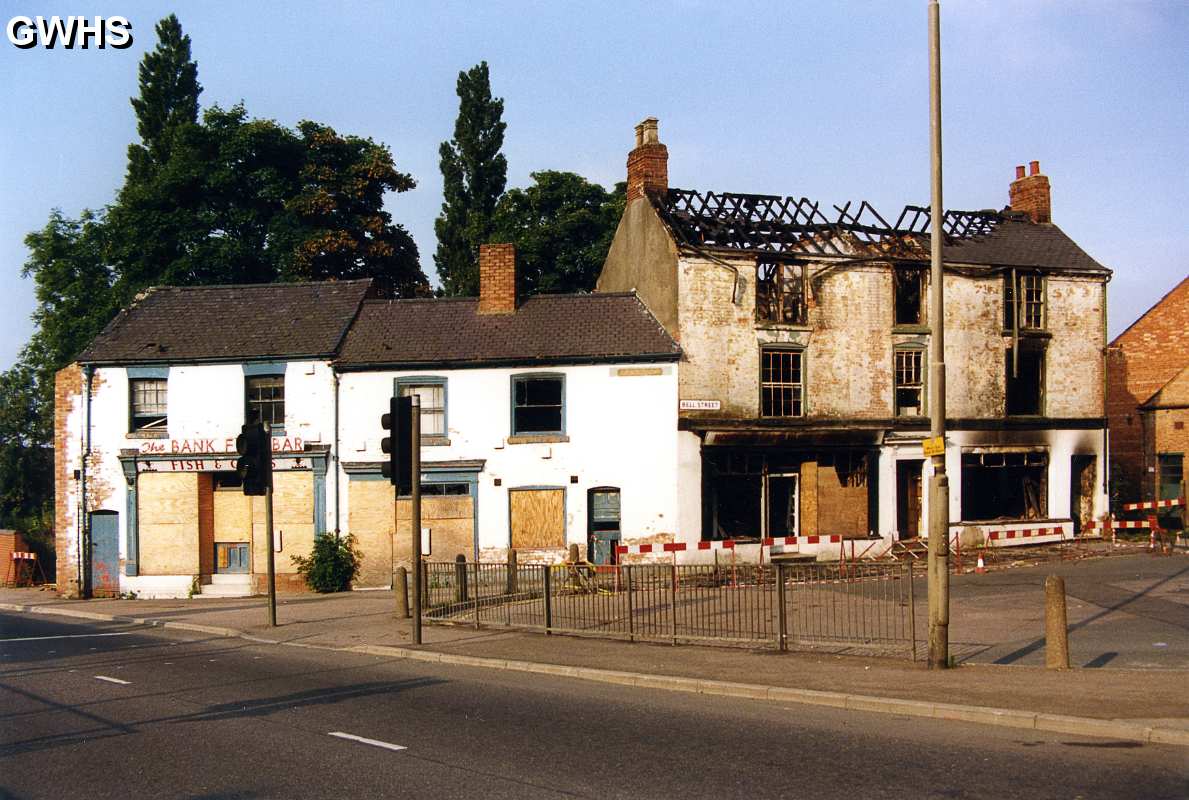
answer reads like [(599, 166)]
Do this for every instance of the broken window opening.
[(780, 292), (265, 400), (1025, 381), (1031, 300), (1004, 486), (149, 404), (910, 383), (781, 383), (908, 283)]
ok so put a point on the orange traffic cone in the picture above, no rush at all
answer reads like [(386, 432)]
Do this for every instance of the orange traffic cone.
[(980, 568)]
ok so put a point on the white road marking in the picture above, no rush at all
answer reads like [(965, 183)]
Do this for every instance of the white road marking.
[(111, 680), (70, 636), (372, 742)]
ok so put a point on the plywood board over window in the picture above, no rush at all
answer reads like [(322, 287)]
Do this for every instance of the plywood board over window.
[(538, 518)]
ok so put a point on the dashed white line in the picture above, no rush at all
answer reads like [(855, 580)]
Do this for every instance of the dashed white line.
[(111, 680), (372, 742)]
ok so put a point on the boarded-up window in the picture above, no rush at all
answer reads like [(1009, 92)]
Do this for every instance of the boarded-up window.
[(538, 518)]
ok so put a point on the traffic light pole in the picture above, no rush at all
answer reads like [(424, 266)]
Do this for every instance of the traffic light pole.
[(272, 569), (415, 515)]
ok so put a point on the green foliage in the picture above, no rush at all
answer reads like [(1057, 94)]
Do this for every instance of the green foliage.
[(331, 566), (168, 98), (474, 173), (562, 226)]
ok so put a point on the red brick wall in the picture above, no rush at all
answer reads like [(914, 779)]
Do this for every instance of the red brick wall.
[(206, 524), (1139, 362), (68, 384), (497, 278), (648, 168)]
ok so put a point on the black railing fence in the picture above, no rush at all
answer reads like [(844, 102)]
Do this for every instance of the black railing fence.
[(851, 606)]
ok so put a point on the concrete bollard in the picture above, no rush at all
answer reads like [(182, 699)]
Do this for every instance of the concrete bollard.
[(401, 586), (511, 588), (460, 578), (1056, 627)]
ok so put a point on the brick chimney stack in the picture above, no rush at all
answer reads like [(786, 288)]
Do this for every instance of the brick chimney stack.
[(497, 278), (1030, 193), (648, 164)]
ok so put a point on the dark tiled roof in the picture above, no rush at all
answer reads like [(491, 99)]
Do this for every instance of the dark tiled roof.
[(773, 224), (545, 328), (209, 323)]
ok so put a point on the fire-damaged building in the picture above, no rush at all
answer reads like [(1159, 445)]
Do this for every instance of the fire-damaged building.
[(805, 338)]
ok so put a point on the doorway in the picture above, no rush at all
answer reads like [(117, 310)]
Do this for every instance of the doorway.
[(104, 554), (1082, 478), (908, 497), (603, 529), (781, 500)]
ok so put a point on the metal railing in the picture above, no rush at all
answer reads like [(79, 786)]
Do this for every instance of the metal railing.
[(850, 606)]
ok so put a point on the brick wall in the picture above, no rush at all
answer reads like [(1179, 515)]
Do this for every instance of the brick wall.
[(1030, 194), (497, 278), (68, 384), (648, 163), (1140, 361)]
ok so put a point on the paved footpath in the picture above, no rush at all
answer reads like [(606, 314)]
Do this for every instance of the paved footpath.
[(1133, 704)]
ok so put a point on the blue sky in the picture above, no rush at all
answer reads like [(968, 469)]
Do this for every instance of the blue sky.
[(824, 100)]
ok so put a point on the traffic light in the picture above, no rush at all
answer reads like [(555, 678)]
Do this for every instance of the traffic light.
[(399, 446), (254, 465)]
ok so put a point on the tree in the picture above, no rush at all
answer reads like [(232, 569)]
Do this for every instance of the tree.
[(168, 98), (474, 173), (562, 226)]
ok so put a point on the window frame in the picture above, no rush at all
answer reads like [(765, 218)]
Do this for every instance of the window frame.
[(799, 352), (405, 382), (248, 401), (921, 353), (159, 428), (777, 265), (1010, 305), (523, 377)]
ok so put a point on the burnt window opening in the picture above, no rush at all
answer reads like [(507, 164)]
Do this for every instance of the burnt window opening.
[(910, 383), (1024, 292), (227, 481), (1024, 369), (780, 292), (1004, 486), (909, 284), (732, 493), (849, 466), (781, 383)]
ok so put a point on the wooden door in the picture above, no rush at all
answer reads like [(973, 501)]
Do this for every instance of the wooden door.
[(908, 498)]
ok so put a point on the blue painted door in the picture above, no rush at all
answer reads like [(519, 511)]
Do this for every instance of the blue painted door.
[(604, 531), (105, 553)]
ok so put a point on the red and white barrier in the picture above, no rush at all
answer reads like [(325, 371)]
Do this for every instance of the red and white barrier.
[(20, 556), (1180, 501), (1008, 537), (724, 544)]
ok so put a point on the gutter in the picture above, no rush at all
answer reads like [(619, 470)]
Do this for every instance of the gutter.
[(335, 459), (371, 366), (84, 543)]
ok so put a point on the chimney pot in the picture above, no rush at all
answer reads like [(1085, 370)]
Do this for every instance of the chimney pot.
[(1019, 172), (497, 278), (640, 134), (1033, 167)]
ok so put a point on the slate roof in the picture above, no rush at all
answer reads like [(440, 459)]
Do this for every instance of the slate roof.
[(774, 224), (230, 323), (544, 329)]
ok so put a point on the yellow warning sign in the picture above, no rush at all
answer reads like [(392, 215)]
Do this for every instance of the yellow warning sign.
[(934, 446)]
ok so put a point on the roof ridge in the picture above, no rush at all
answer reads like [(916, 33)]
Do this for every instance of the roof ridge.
[(260, 285)]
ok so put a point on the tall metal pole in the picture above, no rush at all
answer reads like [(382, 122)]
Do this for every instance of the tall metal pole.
[(939, 487), (415, 515), (272, 569)]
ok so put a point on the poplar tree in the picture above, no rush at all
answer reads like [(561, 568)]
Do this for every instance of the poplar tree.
[(168, 98), (474, 173)]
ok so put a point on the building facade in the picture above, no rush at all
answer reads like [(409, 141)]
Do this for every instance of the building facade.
[(1148, 401), (546, 423), (804, 390)]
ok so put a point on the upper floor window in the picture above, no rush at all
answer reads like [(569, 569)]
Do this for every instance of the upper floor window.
[(782, 384), (908, 284), (780, 292), (538, 404), (149, 401), (265, 399), (432, 392), (1024, 294), (910, 383)]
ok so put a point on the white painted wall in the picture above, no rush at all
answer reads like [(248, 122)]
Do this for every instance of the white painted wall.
[(622, 432)]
